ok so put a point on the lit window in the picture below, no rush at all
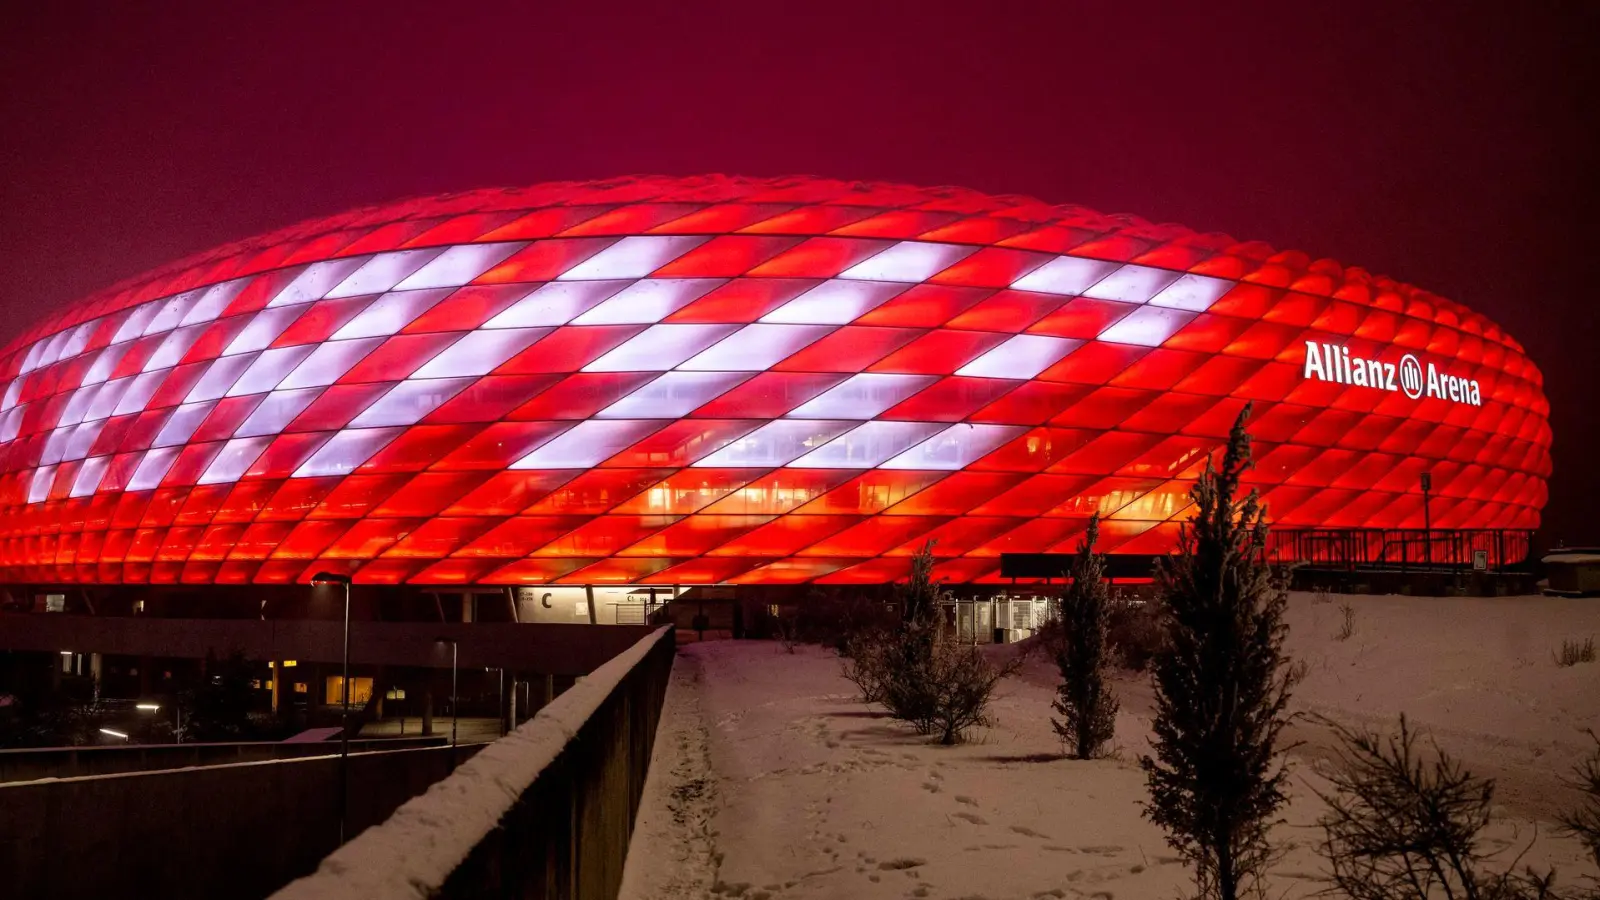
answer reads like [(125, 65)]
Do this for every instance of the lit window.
[(775, 443), (1064, 275), (1021, 357), (909, 261), (868, 445)]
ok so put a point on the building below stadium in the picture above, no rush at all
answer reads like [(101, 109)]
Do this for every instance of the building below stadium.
[(633, 386)]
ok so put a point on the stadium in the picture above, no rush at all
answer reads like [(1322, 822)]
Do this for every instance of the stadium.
[(714, 380)]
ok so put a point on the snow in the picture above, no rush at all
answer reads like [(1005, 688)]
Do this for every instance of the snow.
[(410, 855), (770, 780)]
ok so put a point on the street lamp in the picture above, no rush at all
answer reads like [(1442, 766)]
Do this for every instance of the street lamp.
[(322, 578), (454, 710)]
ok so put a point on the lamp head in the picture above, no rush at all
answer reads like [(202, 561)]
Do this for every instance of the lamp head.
[(329, 578)]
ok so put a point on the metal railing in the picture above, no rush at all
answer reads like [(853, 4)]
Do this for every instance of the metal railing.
[(544, 812), (1402, 549)]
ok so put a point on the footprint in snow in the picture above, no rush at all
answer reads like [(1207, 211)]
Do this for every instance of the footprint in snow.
[(974, 818), (1025, 831)]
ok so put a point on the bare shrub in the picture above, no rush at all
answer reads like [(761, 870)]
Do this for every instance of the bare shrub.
[(1347, 621), (917, 671), (1574, 652), (788, 629), (1084, 699), (1400, 827), (1583, 821)]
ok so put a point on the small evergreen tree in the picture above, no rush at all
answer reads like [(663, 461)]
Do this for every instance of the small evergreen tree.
[(1221, 685), (1086, 703)]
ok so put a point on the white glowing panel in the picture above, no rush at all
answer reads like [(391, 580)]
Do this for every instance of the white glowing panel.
[(171, 311), (479, 352), (214, 301), (173, 348), (152, 468), (756, 348), (52, 348), (835, 302), (1193, 292), (588, 444), (10, 424), (1021, 357), (31, 361), (133, 325), (1064, 275), (868, 445), (1147, 327), (276, 411), (382, 272), (555, 304), (390, 313), (345, 451), (459, 265), (409, 401), (105, 402), (82, 440), (316, 280), (270, 368), (139, 392), (105, 363), (262, 330), (633, 257), (54, 446), (659, 347), (861, 396), (77, 406), (672, 395), (908, 261), (775, 443), (220, 376), (328, 362), (39, 486), (182, 423), (13, 393), (89, 475), (649, 300), (79, 339), (232, 461), (955, 448), (1132, 284)]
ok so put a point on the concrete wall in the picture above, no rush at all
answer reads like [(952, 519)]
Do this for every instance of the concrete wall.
[(237, 831)]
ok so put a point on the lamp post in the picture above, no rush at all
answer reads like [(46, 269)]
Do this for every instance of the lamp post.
[(322, 578), (1427, 519), (454, 710)]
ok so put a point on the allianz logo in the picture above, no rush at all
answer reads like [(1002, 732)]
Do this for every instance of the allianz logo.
[(1330, 362)]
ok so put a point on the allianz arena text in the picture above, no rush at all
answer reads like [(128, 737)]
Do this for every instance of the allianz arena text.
[(723, 380)]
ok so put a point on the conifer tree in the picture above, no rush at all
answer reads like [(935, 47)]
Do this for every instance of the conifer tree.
[(1222, 685), (1086, 703)]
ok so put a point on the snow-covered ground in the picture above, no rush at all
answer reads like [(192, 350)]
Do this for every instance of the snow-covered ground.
[(770, 780)]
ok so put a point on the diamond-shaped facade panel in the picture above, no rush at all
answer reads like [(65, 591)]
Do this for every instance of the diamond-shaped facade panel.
[(678, 380)]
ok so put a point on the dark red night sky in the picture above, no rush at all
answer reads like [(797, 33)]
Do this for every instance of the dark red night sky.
[(1445, 144)]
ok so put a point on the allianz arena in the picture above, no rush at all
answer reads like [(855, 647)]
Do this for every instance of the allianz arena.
[(723, 380)]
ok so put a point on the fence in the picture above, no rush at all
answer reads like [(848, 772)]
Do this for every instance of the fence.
[(239, 830), (1403, 549), (545, 812), (76, 762)]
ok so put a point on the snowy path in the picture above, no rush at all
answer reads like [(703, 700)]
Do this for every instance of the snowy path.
[(771, 781)]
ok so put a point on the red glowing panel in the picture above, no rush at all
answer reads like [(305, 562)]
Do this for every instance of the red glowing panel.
[(689, 381)]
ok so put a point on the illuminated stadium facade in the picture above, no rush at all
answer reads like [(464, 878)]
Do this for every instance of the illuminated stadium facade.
[(709, 380)]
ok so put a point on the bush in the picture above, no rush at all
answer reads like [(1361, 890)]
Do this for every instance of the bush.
[(1574, 652), (1402, 828), (916, 672), (1086, 703), (1583, 822), (1347, 621)]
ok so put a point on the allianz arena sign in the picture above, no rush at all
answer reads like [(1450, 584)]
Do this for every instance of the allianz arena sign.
[(1331, 362)]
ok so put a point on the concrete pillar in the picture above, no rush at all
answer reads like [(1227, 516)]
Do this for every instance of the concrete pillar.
[(427, 713), (96, 667), (468, 601), (588, 593), (511, 711), (277, 683)]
